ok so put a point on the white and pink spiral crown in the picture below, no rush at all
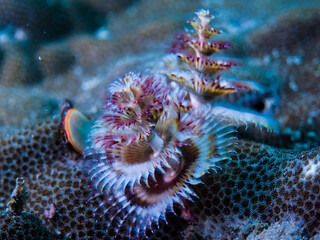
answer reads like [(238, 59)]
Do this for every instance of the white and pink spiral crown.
[(148, 147)]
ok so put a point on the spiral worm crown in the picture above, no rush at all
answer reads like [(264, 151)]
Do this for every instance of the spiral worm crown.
[(149, 146)]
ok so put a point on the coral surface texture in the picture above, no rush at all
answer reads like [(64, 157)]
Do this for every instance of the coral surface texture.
[(167, 119)]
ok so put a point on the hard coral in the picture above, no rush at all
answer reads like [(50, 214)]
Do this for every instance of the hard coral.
[(262, 185), (40, 156), (24, 154), (259, 185), (16, 224), (55, 178)]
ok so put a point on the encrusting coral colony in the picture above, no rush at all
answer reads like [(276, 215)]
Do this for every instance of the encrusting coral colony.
[(162, 161)]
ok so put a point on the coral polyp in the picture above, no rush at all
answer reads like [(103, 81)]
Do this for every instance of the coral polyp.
[(150, 144)]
